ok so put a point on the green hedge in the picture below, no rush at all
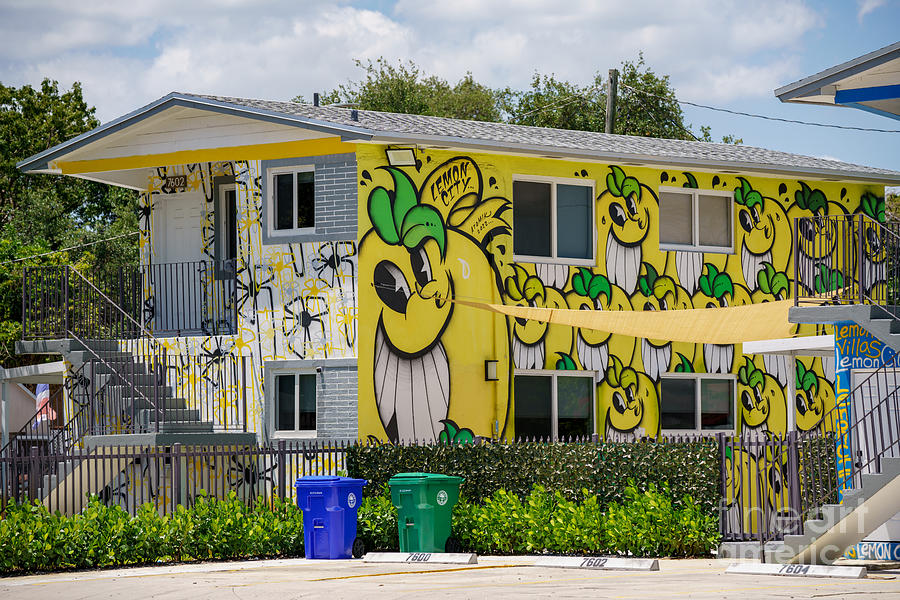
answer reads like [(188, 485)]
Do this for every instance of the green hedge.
[(687, 468), (645, 524)]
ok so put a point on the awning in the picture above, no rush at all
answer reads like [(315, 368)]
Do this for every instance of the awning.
[(730, 325)]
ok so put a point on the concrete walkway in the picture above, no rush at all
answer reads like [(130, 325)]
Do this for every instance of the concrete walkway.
[(492, 577)]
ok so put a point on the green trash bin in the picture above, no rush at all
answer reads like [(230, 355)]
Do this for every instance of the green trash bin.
[(425, 504)]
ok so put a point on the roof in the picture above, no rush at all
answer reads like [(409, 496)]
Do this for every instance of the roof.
[(870, 82), (397, 128)]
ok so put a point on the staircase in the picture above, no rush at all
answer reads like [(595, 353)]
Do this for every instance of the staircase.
[(841, 507)]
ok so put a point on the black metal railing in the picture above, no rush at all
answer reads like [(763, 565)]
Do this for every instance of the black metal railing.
[(170, 299), (847, 259)]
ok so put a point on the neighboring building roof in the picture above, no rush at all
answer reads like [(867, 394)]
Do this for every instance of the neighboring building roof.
[(870, 82), (399, 128)]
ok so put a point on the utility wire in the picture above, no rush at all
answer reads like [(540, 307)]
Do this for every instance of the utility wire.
[(9, 262), (766, 117), (566, 100)]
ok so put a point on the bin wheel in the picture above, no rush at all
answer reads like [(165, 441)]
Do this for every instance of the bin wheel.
[(359, 548), (453, 545)]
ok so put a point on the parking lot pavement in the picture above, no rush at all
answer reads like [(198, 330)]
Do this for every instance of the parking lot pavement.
[(494, 577)]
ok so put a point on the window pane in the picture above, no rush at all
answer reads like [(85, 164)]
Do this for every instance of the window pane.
[(675, 222), (574, 222), (284, 201), (306, 199), (715, 220), (575, 406), (531, 218), (533, 396), (230, 223), (717, 404), (678, 403), (307, 402), (285, 405)]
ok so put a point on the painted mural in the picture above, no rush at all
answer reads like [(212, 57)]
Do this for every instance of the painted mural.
[(442, 230), (293, 301)]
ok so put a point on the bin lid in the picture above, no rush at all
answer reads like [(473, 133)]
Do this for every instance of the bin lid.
[(409, 476), (316, 480)]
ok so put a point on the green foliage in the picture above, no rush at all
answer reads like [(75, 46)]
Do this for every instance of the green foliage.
[(376, 523), (33, 539), (601, 468), (645, 523), (41, 213), (405, 89)]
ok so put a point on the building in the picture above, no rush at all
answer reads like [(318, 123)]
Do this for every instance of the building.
[(300, 267)]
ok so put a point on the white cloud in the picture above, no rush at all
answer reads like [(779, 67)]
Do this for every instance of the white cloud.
[(128, 53), (867, 6)]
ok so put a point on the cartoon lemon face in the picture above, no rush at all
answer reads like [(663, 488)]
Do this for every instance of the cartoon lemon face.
[(813, 399), (717, 290), (761, 400), (535, 343), (628, 400), (760, 221), (660, 292)]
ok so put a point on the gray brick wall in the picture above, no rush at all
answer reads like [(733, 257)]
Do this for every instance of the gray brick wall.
[(336, 191), (336, 395)]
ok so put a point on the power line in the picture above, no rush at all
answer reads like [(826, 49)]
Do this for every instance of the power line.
[(9, 262), (766, 117), (566, 100)]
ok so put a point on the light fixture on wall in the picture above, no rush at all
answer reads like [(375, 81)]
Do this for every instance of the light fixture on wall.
[(490, 370), (401, 157)]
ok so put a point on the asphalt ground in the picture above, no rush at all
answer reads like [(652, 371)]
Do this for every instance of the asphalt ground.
[(492, 577)]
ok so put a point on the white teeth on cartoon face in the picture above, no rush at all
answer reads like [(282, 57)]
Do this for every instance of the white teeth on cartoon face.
[(623, 264), (593, 358), (528, 356), (718, 357), (689, 266), (752, 264), (779, 367), (552, 275), (656, 358), (412, 394), (611, 434)]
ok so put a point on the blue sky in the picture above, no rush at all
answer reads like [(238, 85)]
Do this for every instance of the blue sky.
[(730, 54)]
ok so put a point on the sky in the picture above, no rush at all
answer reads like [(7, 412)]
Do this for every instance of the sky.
[(729, 54)]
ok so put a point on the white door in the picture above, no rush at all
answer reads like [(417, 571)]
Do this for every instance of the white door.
[(176, 278)]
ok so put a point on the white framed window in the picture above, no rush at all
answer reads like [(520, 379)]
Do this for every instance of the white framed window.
[(294, 406), (554, 404), (291, 200), (553, 220), (697, 403), (693, 219)]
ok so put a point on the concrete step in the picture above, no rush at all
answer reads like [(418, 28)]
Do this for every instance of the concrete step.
[(168, 415), (183, 427)]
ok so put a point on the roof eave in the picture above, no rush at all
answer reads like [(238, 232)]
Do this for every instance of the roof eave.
[(652, 159), (40, 161), (828, 76)]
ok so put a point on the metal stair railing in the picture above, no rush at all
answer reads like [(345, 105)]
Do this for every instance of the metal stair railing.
[(847, 259)]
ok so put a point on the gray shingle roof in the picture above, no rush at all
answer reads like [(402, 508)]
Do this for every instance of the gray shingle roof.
[(563, 142)]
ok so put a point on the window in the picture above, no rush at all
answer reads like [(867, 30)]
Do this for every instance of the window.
[(697, 402), (554, 403), (553, 219), (226, 226), (292, 195), (696, 220), (295, 403)]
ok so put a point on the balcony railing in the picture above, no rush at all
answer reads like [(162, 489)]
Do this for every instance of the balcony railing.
[(169, 299)]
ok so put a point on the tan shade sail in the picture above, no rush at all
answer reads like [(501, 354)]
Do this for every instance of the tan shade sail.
[(731, 325)]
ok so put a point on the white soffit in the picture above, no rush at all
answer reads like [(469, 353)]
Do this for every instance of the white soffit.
[(813, 345)]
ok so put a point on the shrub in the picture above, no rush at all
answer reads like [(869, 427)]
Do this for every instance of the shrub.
[(689, 467)]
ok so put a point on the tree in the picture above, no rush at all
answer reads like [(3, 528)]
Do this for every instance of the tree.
[(646, 103), (45, 213), (405, 89), (892, 205)]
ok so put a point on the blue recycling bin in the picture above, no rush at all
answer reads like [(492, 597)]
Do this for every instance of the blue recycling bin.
[(329, 506)]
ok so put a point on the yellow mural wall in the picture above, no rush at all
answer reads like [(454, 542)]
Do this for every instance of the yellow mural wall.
[(443, 229)]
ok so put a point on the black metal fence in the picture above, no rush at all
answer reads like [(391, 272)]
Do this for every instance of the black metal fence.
[(170, 299), (847, 259)]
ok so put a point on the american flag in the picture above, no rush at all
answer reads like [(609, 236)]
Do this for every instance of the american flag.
[(45, 412)]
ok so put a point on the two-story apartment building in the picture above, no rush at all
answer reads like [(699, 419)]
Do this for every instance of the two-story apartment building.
[(326, 247)]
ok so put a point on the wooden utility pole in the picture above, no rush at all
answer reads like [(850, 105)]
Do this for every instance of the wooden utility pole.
[(611, 100)]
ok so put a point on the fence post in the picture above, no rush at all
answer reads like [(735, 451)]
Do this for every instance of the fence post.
[(723, 476), (796, 250), (33, 470), (66, 300), (281, 471), (794, 482), (176, 476), (861, 253)]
